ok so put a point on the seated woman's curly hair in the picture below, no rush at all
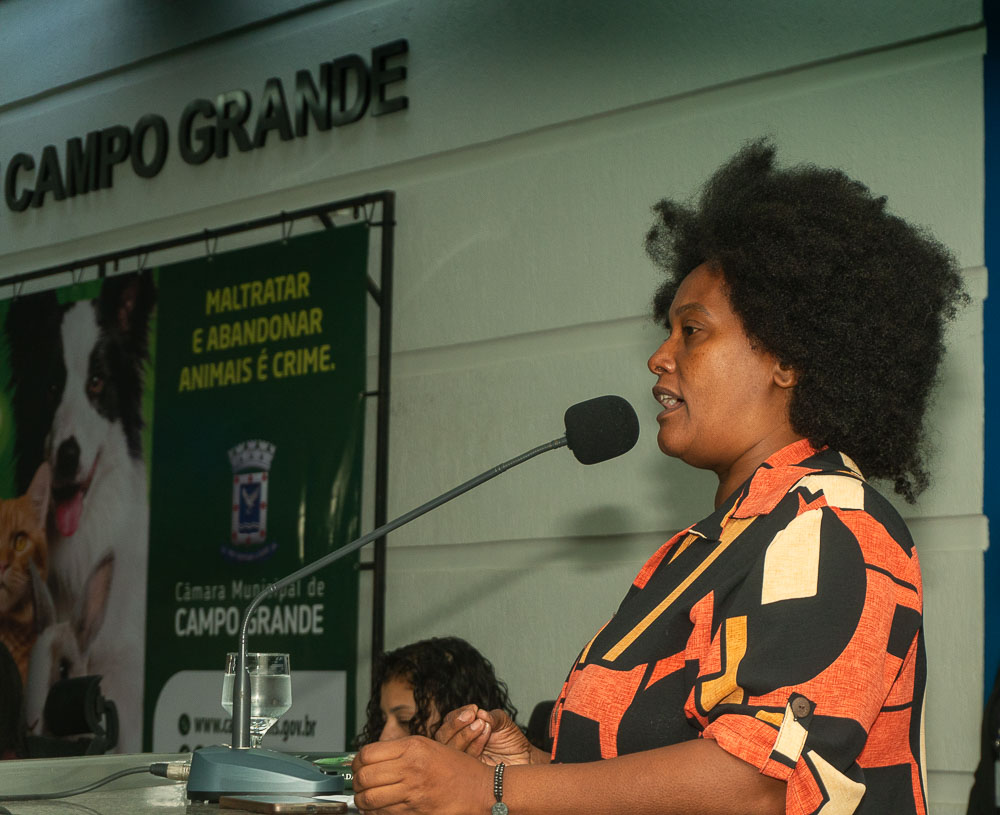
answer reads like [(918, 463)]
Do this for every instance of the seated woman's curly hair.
[(851, 297), (446, 673)]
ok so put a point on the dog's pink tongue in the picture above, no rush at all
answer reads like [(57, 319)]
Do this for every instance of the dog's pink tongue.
[(68, 514)]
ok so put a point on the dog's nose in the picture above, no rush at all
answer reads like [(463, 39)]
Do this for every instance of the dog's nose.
[(68, 458)]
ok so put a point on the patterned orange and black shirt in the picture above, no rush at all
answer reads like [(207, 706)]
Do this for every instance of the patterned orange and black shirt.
[(787, 626)]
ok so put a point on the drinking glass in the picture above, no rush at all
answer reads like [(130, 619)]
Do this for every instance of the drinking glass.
[(270, 690)]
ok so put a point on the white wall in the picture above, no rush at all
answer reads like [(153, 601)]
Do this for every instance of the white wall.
[(537, 138)]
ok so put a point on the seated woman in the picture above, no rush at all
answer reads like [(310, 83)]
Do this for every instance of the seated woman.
[(769, 658), (418, 683)]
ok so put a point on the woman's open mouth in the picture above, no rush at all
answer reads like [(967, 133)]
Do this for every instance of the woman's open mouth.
[(668, 399)]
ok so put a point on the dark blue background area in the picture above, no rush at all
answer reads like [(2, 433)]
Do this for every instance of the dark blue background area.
[(991, 335)]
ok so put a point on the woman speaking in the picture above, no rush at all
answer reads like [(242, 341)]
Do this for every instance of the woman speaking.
[(770, 657)]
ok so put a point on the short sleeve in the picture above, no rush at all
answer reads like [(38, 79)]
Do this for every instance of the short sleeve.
[(808, 668)]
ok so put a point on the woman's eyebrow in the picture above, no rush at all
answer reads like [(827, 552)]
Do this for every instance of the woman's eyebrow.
[(686, 307)]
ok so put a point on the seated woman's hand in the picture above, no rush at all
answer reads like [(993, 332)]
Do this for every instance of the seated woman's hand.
[(417, 776), (490, 736)]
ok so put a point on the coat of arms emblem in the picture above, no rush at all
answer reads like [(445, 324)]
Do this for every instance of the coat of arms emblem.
[(251, 463)]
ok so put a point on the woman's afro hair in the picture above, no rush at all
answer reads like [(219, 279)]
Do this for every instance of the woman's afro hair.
[(852, 298), (446, 673)]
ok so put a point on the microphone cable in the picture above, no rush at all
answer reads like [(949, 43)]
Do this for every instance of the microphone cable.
[(175, 770)]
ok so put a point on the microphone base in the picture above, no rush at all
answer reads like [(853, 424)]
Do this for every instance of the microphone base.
[(221, 770)]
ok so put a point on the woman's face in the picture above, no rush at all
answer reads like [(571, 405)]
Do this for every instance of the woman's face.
[(724, 403), (399, 708)]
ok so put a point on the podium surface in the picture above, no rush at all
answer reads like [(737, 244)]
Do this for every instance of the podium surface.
[(141, 792)]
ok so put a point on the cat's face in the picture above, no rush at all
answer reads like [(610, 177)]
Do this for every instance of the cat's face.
[(23, 541)]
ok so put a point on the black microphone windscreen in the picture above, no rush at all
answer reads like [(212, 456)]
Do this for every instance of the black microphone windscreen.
[(601, 428)]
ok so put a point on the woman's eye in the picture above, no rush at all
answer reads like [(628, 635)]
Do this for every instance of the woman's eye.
[(689, 330)]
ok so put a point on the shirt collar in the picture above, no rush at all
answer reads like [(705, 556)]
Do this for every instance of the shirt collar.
[(770, 482)]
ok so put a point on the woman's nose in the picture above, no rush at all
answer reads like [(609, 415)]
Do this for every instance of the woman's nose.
[(662, 360)]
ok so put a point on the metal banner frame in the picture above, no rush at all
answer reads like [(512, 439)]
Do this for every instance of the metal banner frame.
[(378, 210)]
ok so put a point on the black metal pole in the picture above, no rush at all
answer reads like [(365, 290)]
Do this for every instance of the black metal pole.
[(382, 431)]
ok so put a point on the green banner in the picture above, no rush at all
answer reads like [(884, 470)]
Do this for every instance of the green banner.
[(257, 450), (170, 443)]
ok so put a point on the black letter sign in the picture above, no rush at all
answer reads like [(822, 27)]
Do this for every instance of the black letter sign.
[(382, 76)]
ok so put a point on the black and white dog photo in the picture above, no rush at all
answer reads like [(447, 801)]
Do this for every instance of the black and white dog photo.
[(77, 373)]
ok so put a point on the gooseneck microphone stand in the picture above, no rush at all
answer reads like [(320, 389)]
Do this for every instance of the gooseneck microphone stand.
[(241, 690)]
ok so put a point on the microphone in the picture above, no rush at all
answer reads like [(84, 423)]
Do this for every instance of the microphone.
[(596, 430), (601, 428)]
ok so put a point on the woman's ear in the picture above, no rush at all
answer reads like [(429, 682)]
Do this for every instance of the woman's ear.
[(785, 376)]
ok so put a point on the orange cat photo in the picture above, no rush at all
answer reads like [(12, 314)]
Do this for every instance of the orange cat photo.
[(23, 549)]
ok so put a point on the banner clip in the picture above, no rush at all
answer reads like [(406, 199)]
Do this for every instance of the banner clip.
[(211, 244)]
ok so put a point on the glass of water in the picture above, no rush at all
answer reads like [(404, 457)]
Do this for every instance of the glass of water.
[(270, 690)]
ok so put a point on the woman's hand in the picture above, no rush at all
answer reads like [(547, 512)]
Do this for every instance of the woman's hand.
[(418, 775), (491, 736)]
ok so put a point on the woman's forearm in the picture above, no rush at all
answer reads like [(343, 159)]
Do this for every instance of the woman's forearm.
[(691, 777)]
